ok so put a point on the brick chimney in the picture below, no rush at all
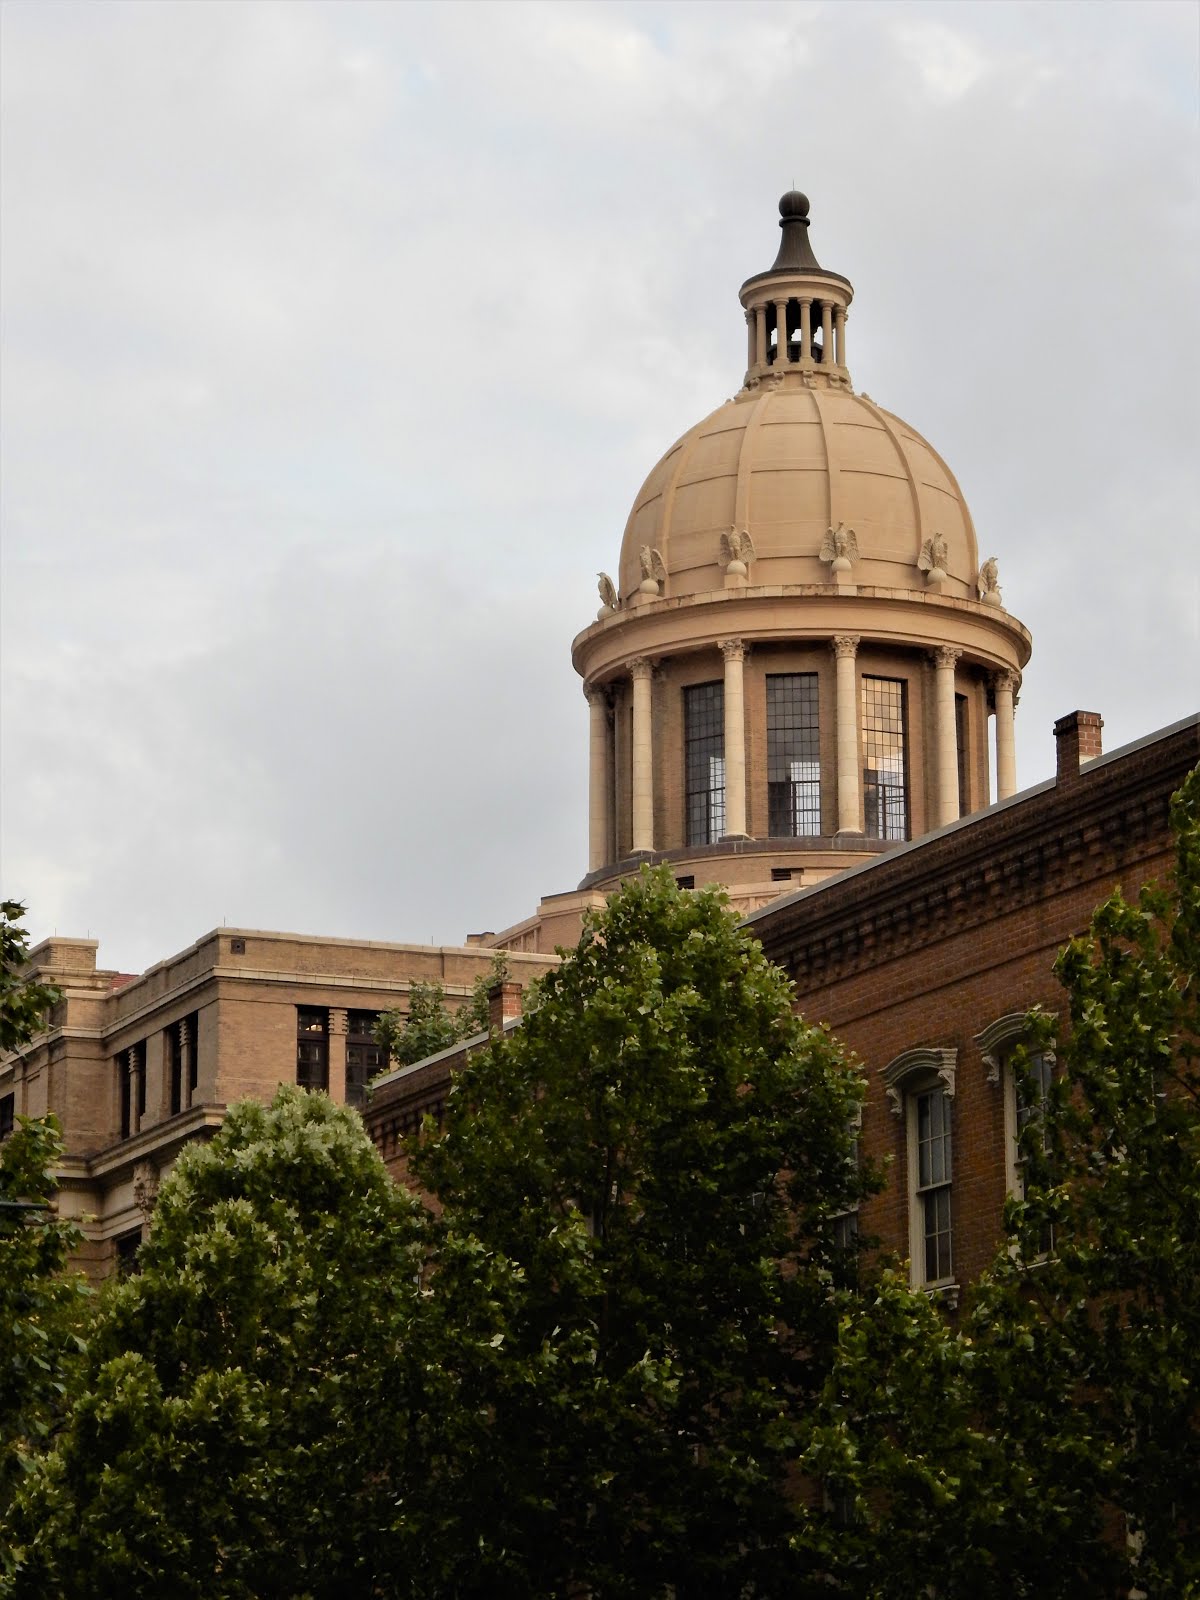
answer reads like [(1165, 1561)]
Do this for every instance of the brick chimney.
[(504, 1003), (1077, 736)]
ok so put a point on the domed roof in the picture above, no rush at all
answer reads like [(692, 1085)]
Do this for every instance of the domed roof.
[(785, 464)]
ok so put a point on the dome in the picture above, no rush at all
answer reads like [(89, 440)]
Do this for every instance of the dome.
[(785, 465)]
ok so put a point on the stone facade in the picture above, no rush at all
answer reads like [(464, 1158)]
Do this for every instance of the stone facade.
[(134, 1067)]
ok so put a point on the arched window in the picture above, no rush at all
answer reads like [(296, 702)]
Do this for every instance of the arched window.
[(920, 1085)]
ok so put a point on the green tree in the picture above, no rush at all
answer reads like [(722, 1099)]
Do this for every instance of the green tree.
[(430, 1025), (24, 1001), (1051, 1444), (637, 1265), (40, 1303), (241, 1424)]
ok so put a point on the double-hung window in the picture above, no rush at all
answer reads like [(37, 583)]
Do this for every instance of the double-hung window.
[(920, 1084)]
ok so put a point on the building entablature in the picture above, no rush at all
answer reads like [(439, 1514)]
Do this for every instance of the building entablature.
[(807, 613)]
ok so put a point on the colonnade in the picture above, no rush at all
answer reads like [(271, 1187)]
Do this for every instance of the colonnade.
[(833, 333), (849, 758)]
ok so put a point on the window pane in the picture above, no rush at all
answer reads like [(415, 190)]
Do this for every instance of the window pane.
[(704, 758), (793, 756), (885, 770)]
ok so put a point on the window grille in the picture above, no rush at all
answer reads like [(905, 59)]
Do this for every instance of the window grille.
[(793, 756), (885, 748), (364, 1055), (312, 1047), (704, 756)]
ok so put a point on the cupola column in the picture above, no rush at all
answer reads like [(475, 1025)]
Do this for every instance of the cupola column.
[(734, 651), (827, 333), (751, 338), (849, 806), (782, 354), (760, 334), (600, 778), (137, 1071), (1004, 686), (806, 329), (945, 660), (642, 673), (840, 330)]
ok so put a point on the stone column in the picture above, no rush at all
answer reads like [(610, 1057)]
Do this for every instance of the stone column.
[(734, 651), (840, 329), (827, 334), (760, 335), (187, 1056), (338, 1026), (137, 1066), (782, 354), (642, 672), (947, 808), (750, 339), (849, 788), (1004, 686), (599, 777), (806, 330)]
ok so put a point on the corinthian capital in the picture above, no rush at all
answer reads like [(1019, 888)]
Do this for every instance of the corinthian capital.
[(846, 644), (733, 649)]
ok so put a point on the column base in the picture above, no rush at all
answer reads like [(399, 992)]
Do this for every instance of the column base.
[(851, 835), (732, 838)]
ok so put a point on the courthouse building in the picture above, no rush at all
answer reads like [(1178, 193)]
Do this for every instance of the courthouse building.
[(798, 683)]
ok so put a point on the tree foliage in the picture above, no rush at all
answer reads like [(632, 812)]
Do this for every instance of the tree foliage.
[(430, 1025), (638, 1190), (236, 1433), (1051, 1443), (24, 1001), (40, 1303)]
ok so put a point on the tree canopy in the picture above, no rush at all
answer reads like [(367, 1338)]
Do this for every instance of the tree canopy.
[(656, 1159), (430, 1024), (1050, 1443), (233, 1435), (40, 1302)]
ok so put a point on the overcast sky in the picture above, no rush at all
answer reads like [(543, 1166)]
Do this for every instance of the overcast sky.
[(337, 340)]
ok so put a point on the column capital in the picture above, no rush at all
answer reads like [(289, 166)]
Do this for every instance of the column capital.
[(595, 694), (845, 644), (733, 649), (1006, 679), (641, 668), (946, 657)]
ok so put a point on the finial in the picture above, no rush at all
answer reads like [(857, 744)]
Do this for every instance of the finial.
[(795, 252)]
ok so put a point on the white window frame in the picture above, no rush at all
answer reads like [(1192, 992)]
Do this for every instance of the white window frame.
[(905, 1079), (996, 1045)]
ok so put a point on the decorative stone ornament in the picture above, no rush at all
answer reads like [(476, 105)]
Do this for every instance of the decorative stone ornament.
[(737, 552), (654, 571), (932, 560), (988, 582), (608, 596), (840, 548)]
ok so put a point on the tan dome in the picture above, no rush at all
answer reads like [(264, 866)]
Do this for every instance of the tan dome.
[(785, 465)]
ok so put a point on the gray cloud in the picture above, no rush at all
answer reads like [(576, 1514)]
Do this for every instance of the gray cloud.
[(338, 339)]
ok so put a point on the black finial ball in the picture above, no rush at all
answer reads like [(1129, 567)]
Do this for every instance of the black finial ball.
[(793, 204)]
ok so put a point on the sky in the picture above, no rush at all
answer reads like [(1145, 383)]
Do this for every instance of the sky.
[(337, 340)]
